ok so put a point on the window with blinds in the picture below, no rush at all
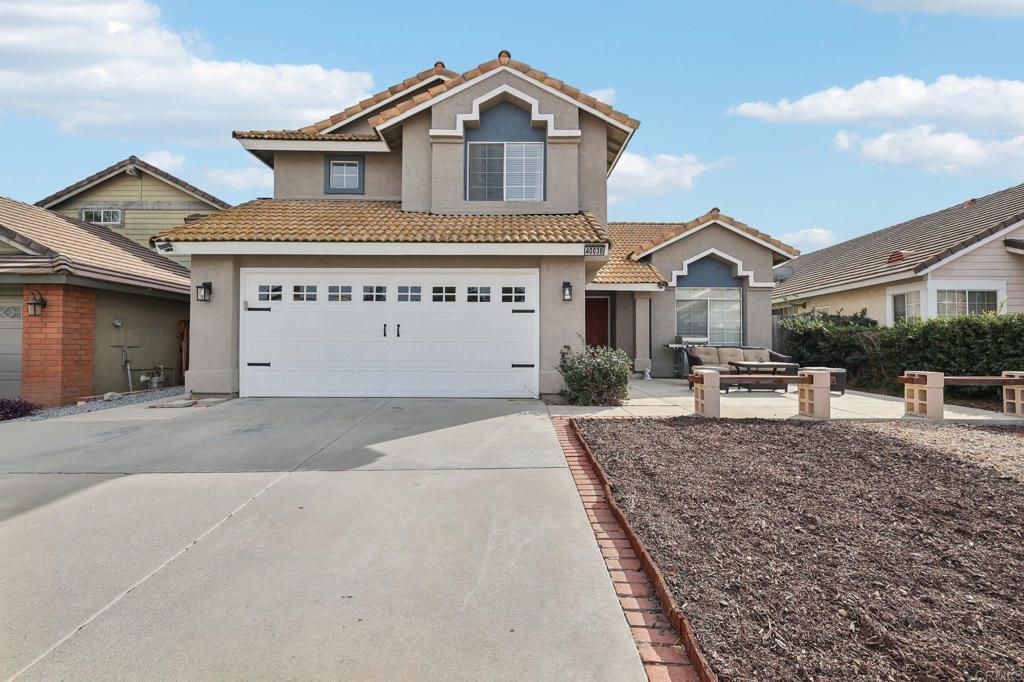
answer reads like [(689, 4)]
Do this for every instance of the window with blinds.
[(505, 171)]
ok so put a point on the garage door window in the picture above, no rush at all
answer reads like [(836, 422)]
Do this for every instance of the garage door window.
[(478, 294), (408, 293), (513, 294), (270, 292), (304, 292), (444, 294), (10, 312), (375, 293), (339, 293)]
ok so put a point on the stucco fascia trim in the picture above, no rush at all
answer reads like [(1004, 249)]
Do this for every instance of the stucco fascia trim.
[(506, 90), (598, 286), (740, 270), (684, 235), (383, 103), (376, 248), (313, 146)]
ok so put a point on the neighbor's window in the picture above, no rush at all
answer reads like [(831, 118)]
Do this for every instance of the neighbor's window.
[(339, 293), (712, 312), (906, 306), (304, 292), (410, 293), (478, 294), (106, 216), (505, 171), (960, 302), (444, 294), (375, 293), (513, 294)]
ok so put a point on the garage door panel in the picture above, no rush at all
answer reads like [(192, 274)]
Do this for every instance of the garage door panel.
[(428, 348)]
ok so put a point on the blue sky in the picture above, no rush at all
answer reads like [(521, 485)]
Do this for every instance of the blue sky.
[(925, 110)]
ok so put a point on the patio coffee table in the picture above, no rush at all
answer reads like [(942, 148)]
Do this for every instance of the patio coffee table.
[(754, 367)]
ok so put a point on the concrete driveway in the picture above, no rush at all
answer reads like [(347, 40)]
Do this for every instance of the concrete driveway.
[(296, 539)]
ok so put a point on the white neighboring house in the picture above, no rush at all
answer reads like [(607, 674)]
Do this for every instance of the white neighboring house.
[(968, 258)]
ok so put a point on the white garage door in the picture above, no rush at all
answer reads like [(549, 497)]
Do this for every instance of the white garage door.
[(10, 346), (428, 333)]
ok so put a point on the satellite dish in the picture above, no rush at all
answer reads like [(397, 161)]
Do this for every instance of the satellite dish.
[(782, 273)]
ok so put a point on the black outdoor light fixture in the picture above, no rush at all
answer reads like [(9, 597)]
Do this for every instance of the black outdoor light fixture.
[(204, 292), (566, 291), (36, 304)]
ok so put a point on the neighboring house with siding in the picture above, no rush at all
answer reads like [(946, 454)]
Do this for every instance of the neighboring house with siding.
[(447, 237), (111, 307), (968, 258), (134, 198)]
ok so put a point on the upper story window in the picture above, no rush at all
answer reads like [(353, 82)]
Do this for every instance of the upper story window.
[(344, 174), (104, 216), (505, 171)]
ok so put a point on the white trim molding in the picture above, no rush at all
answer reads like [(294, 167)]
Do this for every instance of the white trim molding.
[(1014, 249), (127, 170), (383, 102), (720, 223), (920, 287), (739, 270), (895, 277), (972, 247), (506, 90), (373, 248), (934, 285), (636, 286)]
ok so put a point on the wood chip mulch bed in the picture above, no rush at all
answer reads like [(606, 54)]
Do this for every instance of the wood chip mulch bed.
[(827, 551)]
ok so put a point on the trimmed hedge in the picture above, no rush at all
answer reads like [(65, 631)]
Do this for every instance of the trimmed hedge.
[(595, 375), (967, 345)]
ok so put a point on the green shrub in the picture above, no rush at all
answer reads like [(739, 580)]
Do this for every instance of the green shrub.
[(966, 345), (595, 375), (15, 408)]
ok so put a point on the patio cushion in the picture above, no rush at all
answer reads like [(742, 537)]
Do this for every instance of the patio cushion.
[(727, 355), (721, 369), (708, 354), (756, 355)]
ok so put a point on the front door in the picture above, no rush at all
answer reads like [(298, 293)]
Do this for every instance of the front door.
[(597, 321)]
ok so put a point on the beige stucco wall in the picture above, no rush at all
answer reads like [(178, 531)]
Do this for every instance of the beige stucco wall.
[(300, 175), (416, 147), (852, 301), (991, 262), (593, 167), (150, 323), (214, 360)]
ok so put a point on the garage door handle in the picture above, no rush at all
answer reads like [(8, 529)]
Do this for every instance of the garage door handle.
[(385, 329), (523, 311), (399, 331), (258, 364), (519, 366), (257, 310)]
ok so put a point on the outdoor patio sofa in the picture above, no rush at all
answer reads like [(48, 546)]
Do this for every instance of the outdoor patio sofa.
[(719, 357)]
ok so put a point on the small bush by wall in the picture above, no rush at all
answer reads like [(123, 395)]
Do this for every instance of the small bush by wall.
[(595, 375), (14, 408), (968, 345)]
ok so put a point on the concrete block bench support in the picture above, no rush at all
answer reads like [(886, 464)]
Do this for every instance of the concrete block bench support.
[(1013, 396), (707, 401), (814, 394), (924, 394)]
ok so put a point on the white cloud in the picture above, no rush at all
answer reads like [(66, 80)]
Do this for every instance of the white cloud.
[(165, 160), (927, 147), (110, 66), (978, 103), (606, 95), (810, 239), (997, 8), (254, 177), (637, 176)]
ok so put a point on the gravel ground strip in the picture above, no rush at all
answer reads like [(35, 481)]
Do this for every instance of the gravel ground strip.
[(97, 405), (828, 551)]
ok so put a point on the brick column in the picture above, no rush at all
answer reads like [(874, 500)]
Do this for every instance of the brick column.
[(58, 356)]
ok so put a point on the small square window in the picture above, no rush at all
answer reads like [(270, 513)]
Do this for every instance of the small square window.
[(106, 216), (375, 294), (304, 292), (478, 294), (444, 294), (269, 292), (407, 293), (513, 294), (339, 293)]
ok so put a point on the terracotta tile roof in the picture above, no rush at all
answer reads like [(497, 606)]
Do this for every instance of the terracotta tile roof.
[(504, 59), (325, 220), (923, 241), (438, 70), (620, 268), (299, 135), (60, 244), (120, 166), (672, 230)]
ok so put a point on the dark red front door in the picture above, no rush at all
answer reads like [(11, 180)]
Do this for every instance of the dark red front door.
[(597, 322)]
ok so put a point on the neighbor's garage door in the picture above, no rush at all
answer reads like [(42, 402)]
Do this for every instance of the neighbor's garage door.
[(344, 332), (10, 346)]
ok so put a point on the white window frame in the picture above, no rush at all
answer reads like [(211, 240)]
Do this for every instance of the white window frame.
[(342, 162), (676, 298), (504, 170), (101, 211), (906, 305)]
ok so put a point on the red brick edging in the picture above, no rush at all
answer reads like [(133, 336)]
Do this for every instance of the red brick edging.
[(663, 634)]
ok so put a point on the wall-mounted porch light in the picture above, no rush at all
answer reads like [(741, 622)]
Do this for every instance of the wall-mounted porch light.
[(566, 291), (36, 304), (204, 292)]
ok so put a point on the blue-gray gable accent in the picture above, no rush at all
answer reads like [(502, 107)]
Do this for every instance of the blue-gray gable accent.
[(361, 158), (505, 122), (709, 272)]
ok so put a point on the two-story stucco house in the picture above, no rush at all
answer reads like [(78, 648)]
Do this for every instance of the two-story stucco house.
[(447, 237)]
